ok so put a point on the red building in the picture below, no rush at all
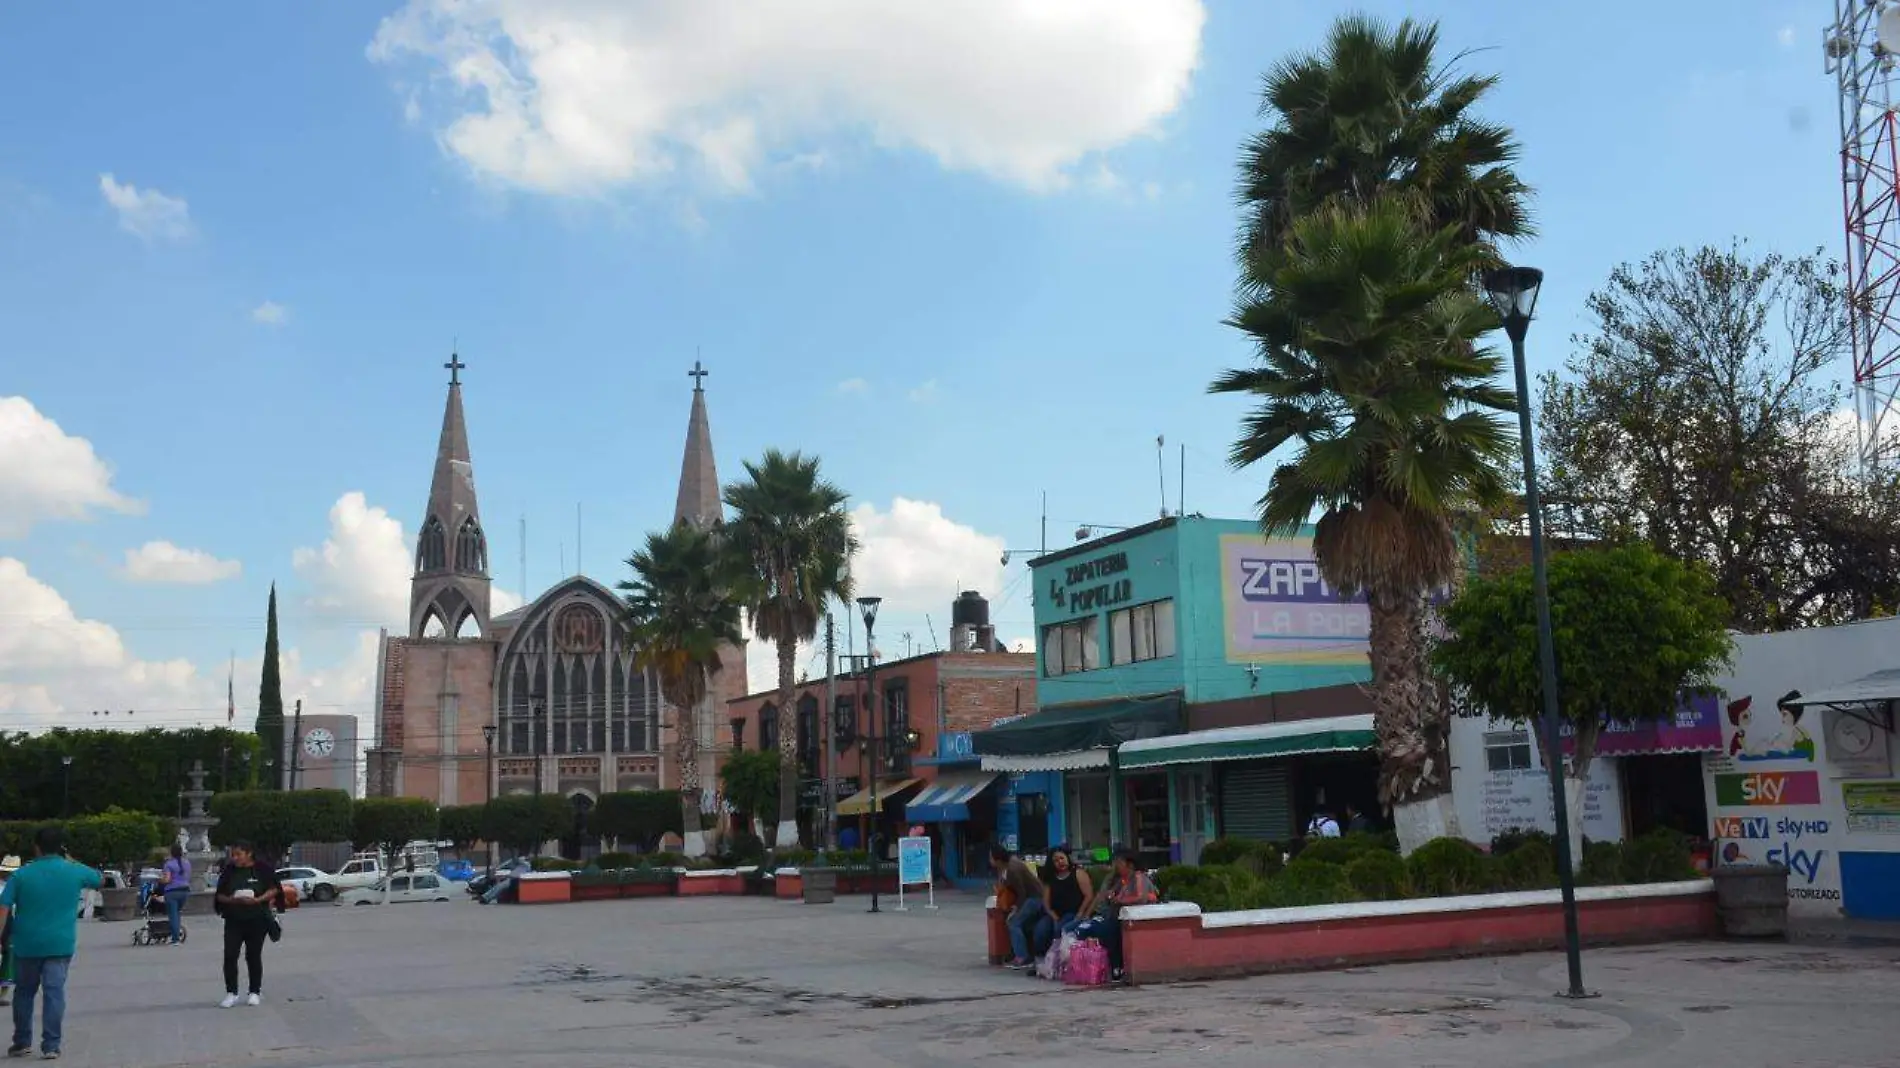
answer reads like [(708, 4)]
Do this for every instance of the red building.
[(921, 700)]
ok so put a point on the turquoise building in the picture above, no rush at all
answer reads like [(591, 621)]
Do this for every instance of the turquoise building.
[(1154, 644)]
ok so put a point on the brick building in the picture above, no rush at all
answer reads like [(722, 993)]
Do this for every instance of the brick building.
[(571, 713), (927, 708)]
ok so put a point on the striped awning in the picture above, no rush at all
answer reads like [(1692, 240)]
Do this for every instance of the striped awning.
[(1336, 734), (859, 804), (948, 799)]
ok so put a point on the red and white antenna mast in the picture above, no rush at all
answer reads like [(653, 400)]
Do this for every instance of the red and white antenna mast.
[(1862, 46)]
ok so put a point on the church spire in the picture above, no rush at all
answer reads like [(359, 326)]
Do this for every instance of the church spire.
[(699, 476), (451, 586)]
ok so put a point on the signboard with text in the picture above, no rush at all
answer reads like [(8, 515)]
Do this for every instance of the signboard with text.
[(1279, 609), (913, 861)]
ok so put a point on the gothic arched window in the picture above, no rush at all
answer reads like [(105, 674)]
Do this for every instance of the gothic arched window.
[(471, 549), (432, 549)]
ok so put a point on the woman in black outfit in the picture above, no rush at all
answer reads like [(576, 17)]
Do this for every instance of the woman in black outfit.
[(1066, 893), (246, 893)]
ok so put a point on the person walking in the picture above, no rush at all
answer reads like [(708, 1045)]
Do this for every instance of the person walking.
[(177, 888), (40, 902), (246, 893)]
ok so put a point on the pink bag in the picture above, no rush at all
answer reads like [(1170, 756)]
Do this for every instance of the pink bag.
[(1088, 965)]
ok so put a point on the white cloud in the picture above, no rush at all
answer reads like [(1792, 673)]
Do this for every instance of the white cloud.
[(1786, 36), (163, 562), (270, 313), (925, 392), (580, 96), (47, 474), (854, 387), (361, 571), (146, 213)]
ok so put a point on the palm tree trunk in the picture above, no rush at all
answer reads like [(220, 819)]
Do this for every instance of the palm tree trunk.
[(686, 753), (1411, 720), (787, 834)]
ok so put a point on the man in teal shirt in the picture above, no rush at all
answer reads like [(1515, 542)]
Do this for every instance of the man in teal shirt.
[(43, 899)]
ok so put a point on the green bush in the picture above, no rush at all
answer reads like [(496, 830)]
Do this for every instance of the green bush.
[(1602, 864), (661, 860), (615, 861), (745, 848), (1377, 875), (1215, 888), (1661, 856), (1328, 851), (1447, 867), (1307, 882), (112, 838), (555, 864), (1508, 841), (792, 857), (16, 836), (1226, 851), (1530, 866)]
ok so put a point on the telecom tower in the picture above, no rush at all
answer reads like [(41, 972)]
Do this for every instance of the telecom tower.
[(1861, 47)]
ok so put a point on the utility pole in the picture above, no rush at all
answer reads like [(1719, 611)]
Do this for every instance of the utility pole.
[(829, 779), (296, 737)]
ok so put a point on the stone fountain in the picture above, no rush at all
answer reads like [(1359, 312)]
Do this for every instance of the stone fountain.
[(194, 829)]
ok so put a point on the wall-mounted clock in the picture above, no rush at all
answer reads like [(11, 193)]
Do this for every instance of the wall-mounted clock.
[(319, 742)]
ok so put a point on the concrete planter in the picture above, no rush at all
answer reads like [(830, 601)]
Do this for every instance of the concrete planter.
[(788, 884), (544, 888), (1752, 900), (652, 885), (719, 882), (819, 886), (602, 887), (117, 904), (1176, 941), (200, 903)]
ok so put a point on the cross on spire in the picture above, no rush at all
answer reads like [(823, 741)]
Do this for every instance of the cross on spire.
[(698, 375), (455, 366)]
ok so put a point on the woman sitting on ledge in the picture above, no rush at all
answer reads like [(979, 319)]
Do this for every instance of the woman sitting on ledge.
[(1066, 897), (1128, 886)]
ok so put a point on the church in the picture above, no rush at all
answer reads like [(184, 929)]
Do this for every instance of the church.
[(571, 711)]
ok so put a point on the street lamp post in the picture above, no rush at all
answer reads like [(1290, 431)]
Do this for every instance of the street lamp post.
[(1513, 293), (537, 708), (65, 786), (488, 738), (868, 605)]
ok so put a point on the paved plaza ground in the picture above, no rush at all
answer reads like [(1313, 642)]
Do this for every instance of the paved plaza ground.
[(727, 982)]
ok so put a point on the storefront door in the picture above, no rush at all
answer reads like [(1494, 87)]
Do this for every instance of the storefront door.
[(1190, 823)]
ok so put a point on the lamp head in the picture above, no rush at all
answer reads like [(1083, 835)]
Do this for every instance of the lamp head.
[(868, 606), (66, 760), (1513, 295), (488, 733)]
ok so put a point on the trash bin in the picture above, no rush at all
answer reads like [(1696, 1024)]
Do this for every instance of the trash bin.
[(821, 885), (1752, 899)]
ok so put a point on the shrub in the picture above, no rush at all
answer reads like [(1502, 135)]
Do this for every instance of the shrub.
[(745, 848), (1215, 888), (1307, 882), (112, 838), (1508, 841), (614, 861), (1329, 851), (1530, 866), (793, 857), (1226, 851), (1661, 856), (661, 860), (555, 864), (1602, 864), (1377, 875), (1447, 867)]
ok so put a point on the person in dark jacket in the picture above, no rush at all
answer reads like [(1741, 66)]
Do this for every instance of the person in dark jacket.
[(247, 891)]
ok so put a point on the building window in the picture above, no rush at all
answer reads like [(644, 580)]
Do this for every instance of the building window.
[(1071, 647), (844, 722), (738, 736), (896, 724), (1507, 750), (432, 548), (768, 727), (1144, 632), (808, 734)]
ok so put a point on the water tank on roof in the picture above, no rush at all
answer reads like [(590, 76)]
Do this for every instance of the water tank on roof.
[(970, 610)]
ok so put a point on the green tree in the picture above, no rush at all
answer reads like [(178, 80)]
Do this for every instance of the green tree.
[(751, 780), (1635, 632), (461, 825), (791, 530), (680, 612), (275, 820), (641, 817), (1369, 205), (114, 838), (1369, 368), (1700, 414), (522, 822), (270, 702), (141, 771)]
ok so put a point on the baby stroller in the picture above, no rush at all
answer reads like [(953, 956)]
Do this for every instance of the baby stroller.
[(158, 927)]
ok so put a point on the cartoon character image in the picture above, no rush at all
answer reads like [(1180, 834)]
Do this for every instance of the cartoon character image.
[(1732, 854), (1769, 736)]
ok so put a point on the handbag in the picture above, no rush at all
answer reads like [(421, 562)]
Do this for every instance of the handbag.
[(1088, 964)]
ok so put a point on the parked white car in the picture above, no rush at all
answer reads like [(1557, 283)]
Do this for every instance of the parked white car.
[(301, 878), (362, 871), (403, 889)]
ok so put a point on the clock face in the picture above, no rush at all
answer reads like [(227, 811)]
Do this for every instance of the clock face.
[(319, 742), (1853, 736)]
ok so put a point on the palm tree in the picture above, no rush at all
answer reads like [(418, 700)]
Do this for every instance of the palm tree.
[(1370, 368), (790, 528), (1371, 114), (680, 611)]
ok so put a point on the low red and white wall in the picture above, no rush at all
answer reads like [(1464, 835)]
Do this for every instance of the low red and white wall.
[(1177, 941)]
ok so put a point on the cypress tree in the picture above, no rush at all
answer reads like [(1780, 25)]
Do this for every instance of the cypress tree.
[(270, 703)]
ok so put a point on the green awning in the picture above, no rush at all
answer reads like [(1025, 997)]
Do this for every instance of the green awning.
[(1078, 728), (1337, 734)]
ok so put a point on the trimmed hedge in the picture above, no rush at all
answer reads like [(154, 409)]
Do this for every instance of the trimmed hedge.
[(1368, 868)]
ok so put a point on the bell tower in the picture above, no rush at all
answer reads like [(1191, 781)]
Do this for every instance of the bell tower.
[(449, 593)]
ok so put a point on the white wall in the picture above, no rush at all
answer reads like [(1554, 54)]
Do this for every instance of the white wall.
[(1776, 757), (1491, 802)]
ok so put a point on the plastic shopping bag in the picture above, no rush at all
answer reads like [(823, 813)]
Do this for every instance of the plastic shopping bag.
[(1088, 965), (1048, 965), (1064, 947)]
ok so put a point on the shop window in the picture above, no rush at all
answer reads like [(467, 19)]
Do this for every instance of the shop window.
[(1507, 750), (1071, 647), (1032, 815), (1144, 632)]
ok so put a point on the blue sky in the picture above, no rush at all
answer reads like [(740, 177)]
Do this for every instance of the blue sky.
[(965, 259)]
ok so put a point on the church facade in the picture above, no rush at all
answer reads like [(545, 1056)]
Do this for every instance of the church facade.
[(571, 710)]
